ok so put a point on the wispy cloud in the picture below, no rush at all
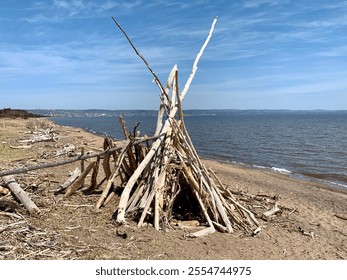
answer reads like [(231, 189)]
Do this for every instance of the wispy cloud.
[(257, 3), (262, 48), (60, 10), (340, 51)]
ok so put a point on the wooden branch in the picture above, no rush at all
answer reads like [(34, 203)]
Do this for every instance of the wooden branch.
[(21, 147), (74, 175), (272, 211), (74, 159), (10, 215), (158, 188), (137, 173), (106, 165), (156, 79), (79, 182), (21, 195), (109, 198), (135, 198), (162, 106), (195, 64), (113, 175), (82, 165), (131, 157), (251, 215), (145, 209), (124, 128), (222, 212), (58, 163), (93, 179)]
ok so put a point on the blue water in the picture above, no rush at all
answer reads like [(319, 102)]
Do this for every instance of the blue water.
[(311, 144)]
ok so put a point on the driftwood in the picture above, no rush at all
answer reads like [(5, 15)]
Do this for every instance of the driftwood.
[(79, 182), (21, 195), (202, 232), (271, 212), (21, 147), (67, 149), (70, 160), (40, 135), (73, 176), (12, 225)]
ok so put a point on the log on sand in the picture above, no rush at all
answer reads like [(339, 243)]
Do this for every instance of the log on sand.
[(21, 195)]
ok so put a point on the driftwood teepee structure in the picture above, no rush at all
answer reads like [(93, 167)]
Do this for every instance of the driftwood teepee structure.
[(166, 177)]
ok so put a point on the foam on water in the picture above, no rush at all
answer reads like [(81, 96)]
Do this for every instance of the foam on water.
[(281, 170)]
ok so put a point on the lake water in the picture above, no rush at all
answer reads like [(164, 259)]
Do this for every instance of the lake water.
[(308, 144)]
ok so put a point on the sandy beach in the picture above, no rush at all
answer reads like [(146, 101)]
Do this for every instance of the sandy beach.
[(314, 227)]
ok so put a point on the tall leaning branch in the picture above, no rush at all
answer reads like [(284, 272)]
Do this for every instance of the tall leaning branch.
[(195, 64), (160, 85)]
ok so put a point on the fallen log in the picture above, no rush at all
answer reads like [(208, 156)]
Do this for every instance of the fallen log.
[(79, 182), (21, 195), (73, 176), (71, 160)]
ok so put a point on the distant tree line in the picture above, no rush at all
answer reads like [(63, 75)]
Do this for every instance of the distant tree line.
[(17, 113)]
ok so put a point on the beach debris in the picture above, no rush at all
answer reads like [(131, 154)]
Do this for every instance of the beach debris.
[(340, 217), (73, 176), (271, 212), (307, 233), (21, 147), (12, 225), (68, 149), (21, 195), (8, 206), (79, 182), (41, 135)]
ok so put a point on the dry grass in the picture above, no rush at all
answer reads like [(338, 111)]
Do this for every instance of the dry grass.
[(7, 154)]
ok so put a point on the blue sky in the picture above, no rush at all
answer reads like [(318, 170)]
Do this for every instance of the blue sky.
[(264, 54)]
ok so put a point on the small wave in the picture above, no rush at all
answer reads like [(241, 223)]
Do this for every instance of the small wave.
[(259, 166), (275, 169), (339, 185), (280, 170)]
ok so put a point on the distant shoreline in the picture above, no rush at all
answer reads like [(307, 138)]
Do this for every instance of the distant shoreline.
[(17, 113), (187, 112)]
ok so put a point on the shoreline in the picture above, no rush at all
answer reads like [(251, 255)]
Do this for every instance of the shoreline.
[(74, 223), (296, 176)]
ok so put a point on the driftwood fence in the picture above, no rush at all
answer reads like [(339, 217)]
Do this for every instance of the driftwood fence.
[(159, 177)]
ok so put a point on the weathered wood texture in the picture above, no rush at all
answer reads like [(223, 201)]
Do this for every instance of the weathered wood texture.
[(21, 195)]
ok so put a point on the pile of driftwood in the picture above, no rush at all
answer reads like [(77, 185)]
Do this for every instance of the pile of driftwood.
[(160, 178)]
